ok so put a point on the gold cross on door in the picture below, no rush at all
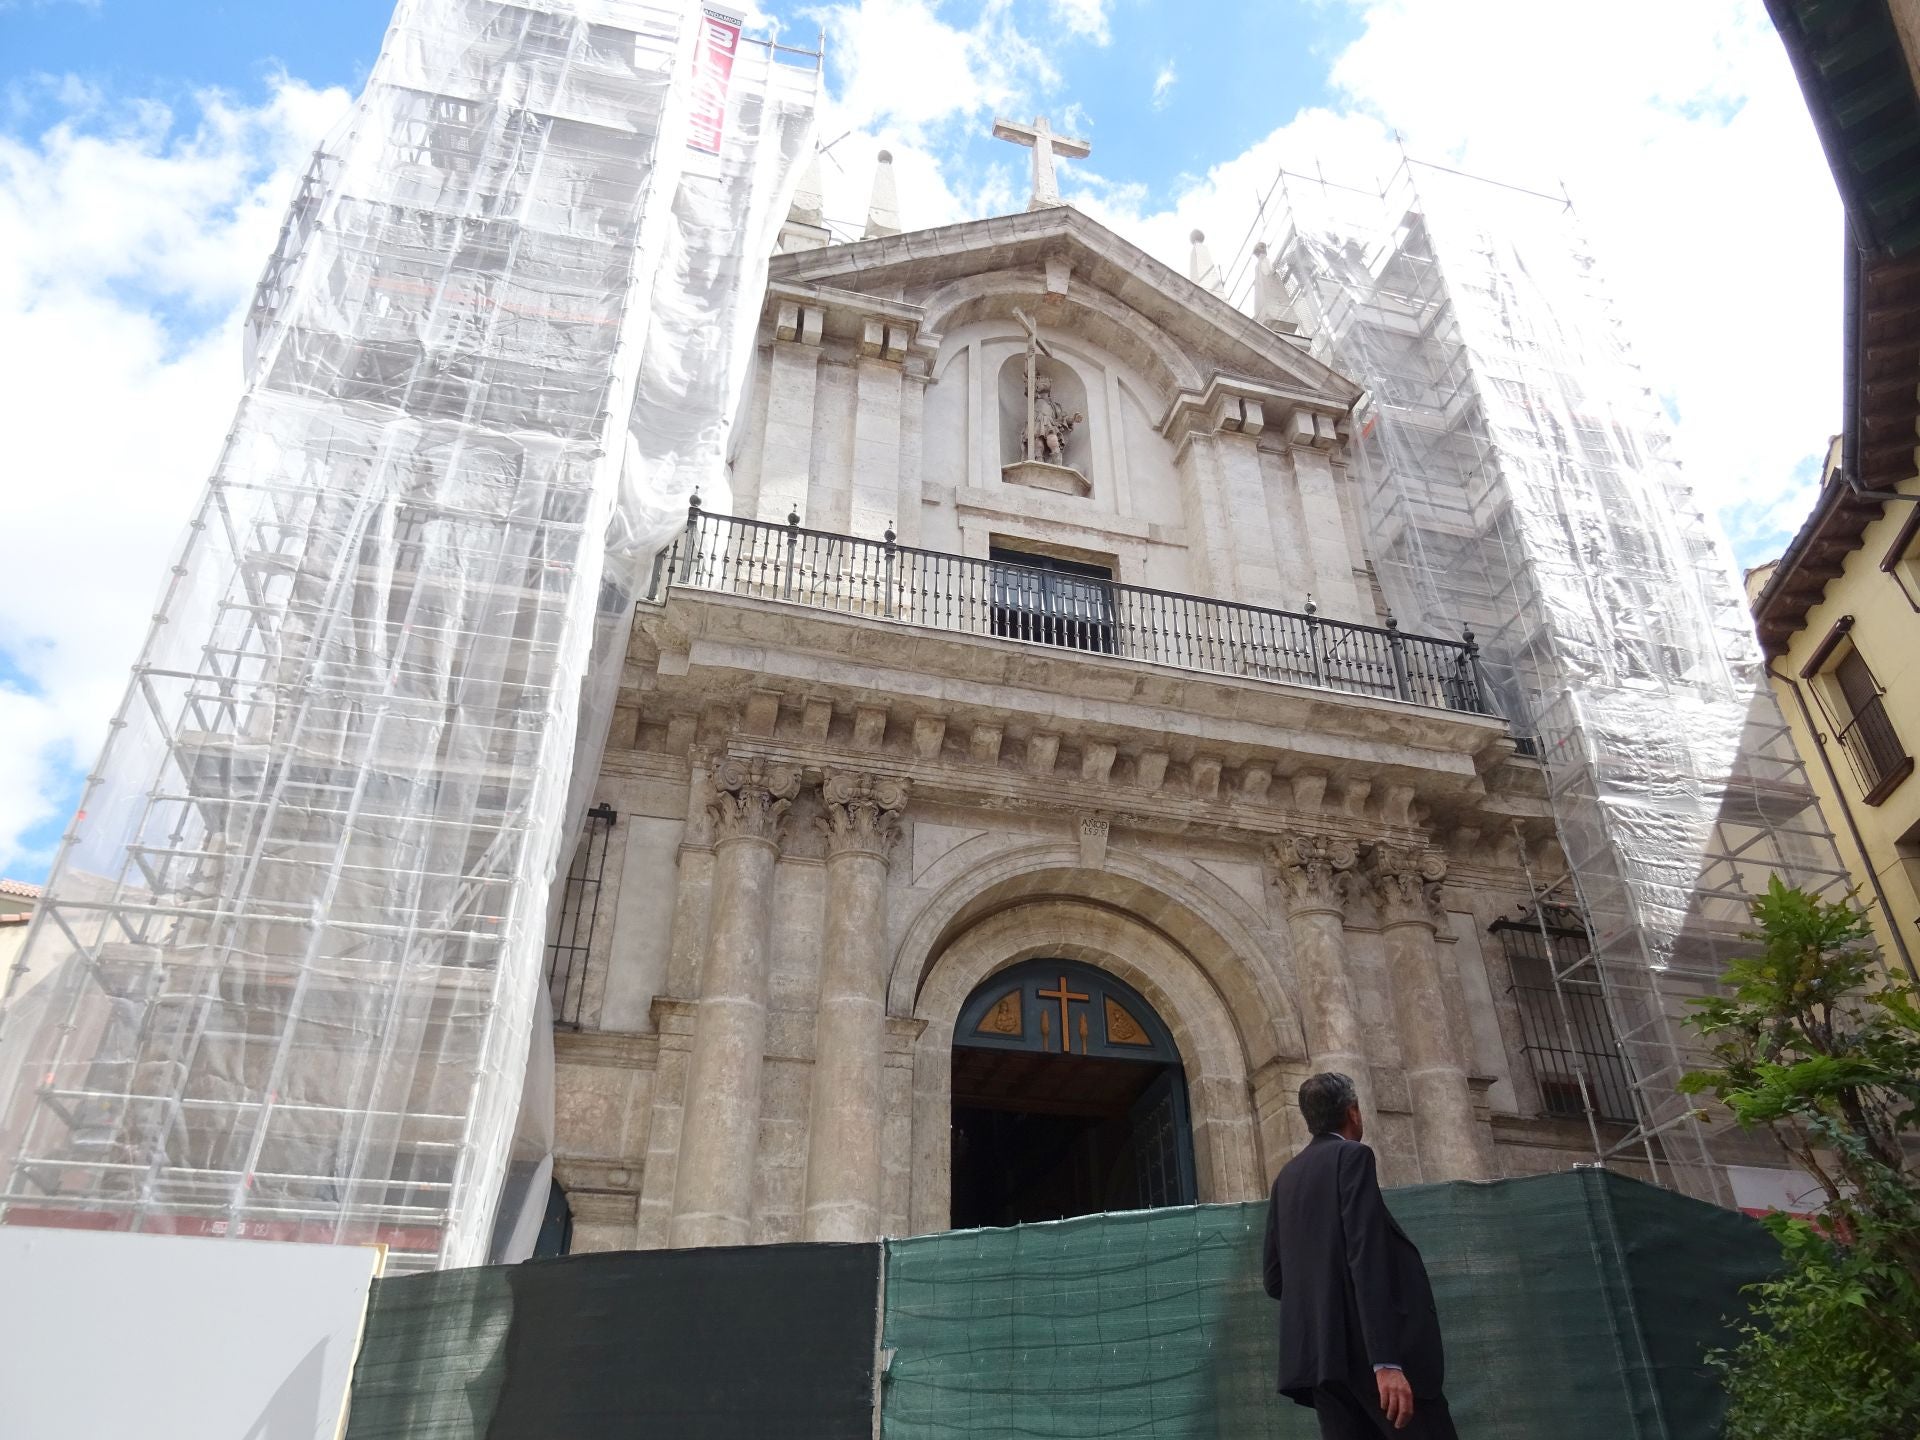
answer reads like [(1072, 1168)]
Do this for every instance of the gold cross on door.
[(1066, 997)]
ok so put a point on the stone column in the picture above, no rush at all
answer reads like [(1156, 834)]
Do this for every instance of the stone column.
[(1315, 876), (861, 817), (713, 1190), (1406, 888)]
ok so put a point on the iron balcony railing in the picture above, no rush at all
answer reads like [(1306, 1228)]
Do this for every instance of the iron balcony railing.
[(1880, 761), (884, 580)]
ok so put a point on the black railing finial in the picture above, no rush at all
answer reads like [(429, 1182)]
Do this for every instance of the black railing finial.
[(1466, 638), (693, 504), (1312, 609), (793, 518)]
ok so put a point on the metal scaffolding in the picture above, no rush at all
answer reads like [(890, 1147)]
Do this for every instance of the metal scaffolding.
[(299, 918), (1518, 478)]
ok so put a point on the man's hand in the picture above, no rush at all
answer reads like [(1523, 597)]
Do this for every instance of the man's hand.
[(1396, 1396)]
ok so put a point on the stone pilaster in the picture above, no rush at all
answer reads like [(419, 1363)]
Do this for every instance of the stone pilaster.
[(793, 373), (1310, 439), (713, 1189), (1256, 562), (1406, 889), (875, 502), (1315, 876), (860, 817)]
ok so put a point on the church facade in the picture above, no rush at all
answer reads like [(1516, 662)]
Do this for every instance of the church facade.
[(1023, 789)]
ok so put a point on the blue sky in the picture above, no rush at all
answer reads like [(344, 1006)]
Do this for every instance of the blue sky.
[(147, 151)]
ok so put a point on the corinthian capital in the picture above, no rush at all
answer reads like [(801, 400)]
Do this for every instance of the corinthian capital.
[(1405, 880), (860, 812), (750, 799), (1313, 870)]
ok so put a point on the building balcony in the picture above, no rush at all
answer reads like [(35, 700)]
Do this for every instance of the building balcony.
[(1880, 760), (996, 598)]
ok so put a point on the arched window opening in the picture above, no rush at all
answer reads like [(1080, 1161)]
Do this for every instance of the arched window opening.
[(1069, 1098)]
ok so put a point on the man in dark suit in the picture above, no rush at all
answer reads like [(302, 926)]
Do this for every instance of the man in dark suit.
[(1359, 1339)]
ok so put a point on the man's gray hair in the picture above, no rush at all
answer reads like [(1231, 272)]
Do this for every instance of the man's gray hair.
[(1325, 1099)]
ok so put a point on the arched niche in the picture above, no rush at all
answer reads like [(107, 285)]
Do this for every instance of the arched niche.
[(1061, 385)]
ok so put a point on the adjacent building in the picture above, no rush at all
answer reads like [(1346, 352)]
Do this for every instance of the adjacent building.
[(1838, 613)]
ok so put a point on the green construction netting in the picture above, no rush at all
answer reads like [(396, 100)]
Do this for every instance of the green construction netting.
[(1574, 1306), (723, 1344)]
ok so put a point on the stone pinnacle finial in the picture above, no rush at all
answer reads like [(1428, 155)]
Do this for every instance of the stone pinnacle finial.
[(806, 226), (1272, 306), (807, 207), (1201, 268), (883, 211)]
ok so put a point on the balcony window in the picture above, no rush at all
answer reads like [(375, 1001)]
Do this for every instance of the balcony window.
[(1052, 602), (1856, 708), (1902, 560)]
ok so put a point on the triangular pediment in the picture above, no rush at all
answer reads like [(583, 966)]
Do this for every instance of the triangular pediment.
[(1216, 339)]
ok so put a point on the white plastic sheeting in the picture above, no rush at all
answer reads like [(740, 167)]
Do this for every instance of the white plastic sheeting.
[(1519, 479), (300, 916)]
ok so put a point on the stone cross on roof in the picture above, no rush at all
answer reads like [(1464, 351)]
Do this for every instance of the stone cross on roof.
[(1045, 145)]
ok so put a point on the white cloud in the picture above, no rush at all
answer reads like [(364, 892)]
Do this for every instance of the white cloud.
[(897, 63), (130, 248), (1163, 85), (1086, 18)]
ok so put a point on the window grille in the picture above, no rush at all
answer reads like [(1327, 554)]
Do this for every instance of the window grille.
[(1880, 760), (1565, 1029), (570, 951)]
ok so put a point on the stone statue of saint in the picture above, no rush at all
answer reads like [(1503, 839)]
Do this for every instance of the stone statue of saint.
[(1052, 424)]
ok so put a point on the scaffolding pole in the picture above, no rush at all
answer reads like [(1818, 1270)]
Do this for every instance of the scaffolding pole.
[(1518, 478), (299, 919)]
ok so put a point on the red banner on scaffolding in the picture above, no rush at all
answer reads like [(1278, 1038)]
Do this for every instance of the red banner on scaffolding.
[(712, 75)]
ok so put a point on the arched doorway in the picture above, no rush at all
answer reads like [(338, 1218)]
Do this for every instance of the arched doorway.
[(1069, 1098)]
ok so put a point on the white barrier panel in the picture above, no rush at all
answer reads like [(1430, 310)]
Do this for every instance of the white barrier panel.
[(169, 1337)]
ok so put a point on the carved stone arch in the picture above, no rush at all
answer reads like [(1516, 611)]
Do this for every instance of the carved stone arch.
[(1093, 314), (1227, 1159), (1200, 914)]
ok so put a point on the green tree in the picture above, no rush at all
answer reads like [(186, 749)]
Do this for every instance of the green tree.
[(1813, 1043)]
